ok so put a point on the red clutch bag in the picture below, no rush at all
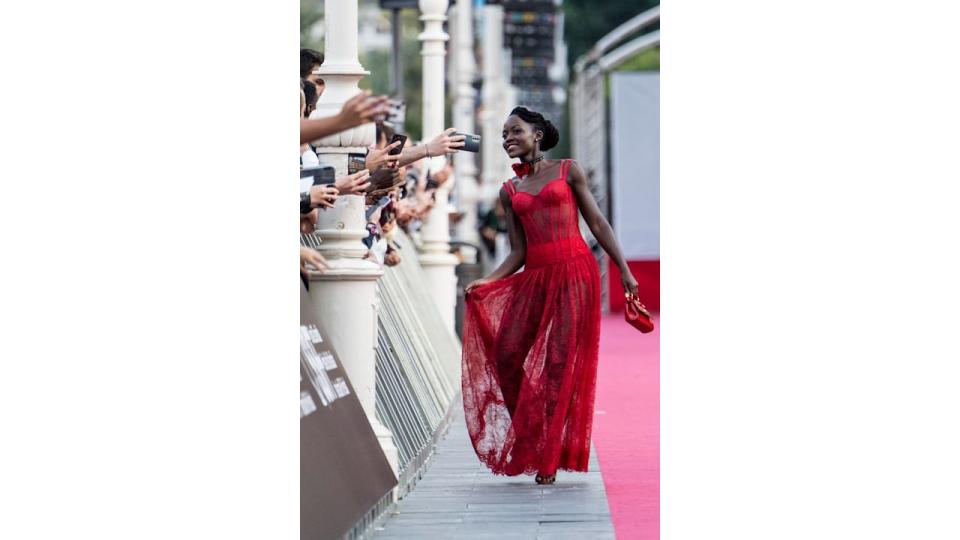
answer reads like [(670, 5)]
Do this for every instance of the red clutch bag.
[(637, 315)]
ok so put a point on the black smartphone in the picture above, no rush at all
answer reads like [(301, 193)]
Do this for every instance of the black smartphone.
[(471, 143), (324, 174), (398, 137)]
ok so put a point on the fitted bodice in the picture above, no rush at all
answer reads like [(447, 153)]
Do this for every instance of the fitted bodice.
[(549, 219)]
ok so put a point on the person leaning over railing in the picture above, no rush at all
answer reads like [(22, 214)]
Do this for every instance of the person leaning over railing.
[(387, 182), (382, 222), (444, 143), (358, 110)]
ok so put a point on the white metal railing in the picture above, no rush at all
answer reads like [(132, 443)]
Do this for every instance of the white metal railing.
[(418, 366), (588, 104)]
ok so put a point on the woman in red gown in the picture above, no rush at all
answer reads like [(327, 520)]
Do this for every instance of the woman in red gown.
[(531, 338)]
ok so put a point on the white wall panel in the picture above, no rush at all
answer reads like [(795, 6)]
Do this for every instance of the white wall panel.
[(635, 162)]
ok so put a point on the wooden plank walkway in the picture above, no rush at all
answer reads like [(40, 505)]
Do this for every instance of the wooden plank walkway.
[(459, 498)]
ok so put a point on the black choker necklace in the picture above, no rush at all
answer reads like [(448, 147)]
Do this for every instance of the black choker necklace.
[(525, 168)]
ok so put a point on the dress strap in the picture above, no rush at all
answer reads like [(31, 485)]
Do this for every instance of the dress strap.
[(565, 167), (511, 189)]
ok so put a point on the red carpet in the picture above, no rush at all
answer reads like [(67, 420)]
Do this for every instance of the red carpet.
[(626, 432)]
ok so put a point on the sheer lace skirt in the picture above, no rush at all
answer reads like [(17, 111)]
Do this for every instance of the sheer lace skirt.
[(530, 346)]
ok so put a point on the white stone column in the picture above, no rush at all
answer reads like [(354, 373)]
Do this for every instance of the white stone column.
[(345, 295), (464, 163), (437, 261), (508, 100), (492, 104)]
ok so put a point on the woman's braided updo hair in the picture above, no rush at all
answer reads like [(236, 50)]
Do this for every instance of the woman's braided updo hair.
[(550, 134)]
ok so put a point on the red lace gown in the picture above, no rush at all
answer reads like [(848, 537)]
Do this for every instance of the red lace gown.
[(530, 344)]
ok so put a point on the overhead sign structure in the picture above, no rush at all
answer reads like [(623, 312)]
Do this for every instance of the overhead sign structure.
[(532, 30)]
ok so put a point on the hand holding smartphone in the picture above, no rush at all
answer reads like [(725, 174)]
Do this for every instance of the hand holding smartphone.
[(397, 137), (322, 174), (471, 142)]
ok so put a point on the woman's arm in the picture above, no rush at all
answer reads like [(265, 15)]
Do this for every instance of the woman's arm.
[(358, 110), (317, 128), (444, 143), (598, 224), (518, 246), (413, 153), (518, 242)]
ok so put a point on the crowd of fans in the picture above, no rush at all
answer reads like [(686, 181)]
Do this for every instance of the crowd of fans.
[(398, 188)]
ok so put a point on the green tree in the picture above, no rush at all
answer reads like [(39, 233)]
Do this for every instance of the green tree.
[(377, 62), (311, 12), (648, 60), (586, 21)]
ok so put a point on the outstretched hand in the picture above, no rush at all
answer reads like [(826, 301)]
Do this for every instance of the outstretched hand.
[(323, 195), (378, 157), (353, 184), (362, 108), (446, 143), (358, 110), (313, 258)]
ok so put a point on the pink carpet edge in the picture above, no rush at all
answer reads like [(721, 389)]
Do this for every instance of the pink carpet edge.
[(626, 430)]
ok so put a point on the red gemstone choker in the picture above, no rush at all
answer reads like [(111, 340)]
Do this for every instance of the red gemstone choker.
[(524, 168)]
